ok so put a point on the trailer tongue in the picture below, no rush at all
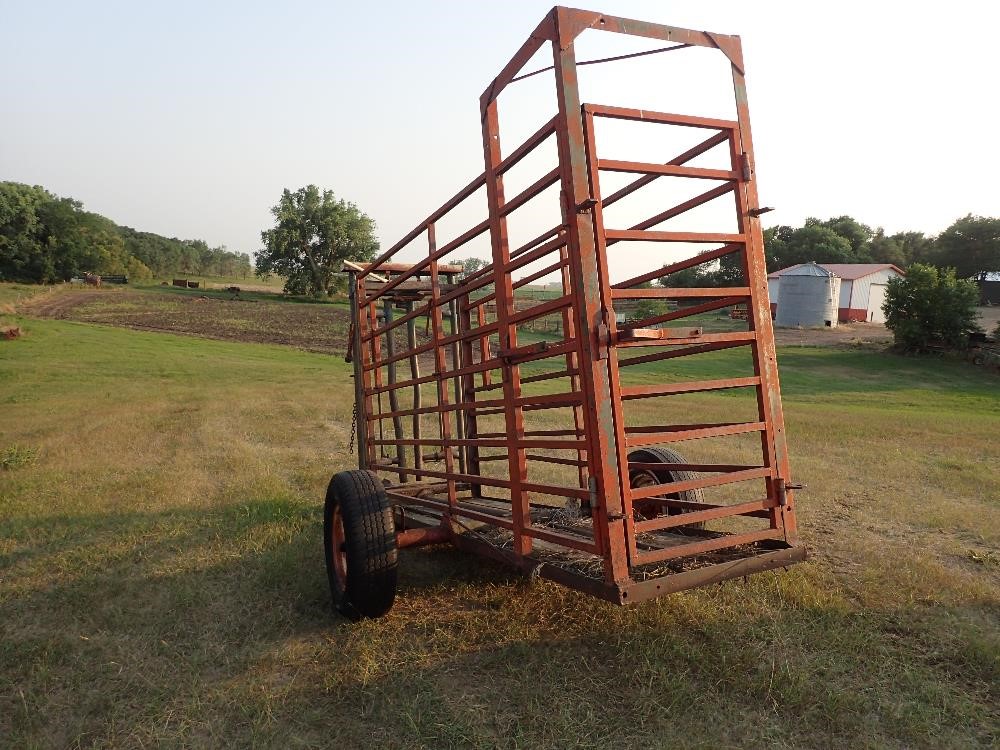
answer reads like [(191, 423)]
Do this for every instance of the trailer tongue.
[(551, 433)]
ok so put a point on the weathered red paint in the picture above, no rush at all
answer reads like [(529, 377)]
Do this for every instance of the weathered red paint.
[(463, 471)]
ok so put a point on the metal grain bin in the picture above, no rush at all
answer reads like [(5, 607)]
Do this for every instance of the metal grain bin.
[(808, 296)]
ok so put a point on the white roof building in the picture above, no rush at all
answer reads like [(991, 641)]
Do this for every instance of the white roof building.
[(862, 289)]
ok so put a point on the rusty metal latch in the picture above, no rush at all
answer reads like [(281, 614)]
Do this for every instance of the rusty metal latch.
[(780, 488), (586, 205), (756, 212)]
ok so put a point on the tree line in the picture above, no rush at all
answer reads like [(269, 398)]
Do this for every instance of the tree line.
[(45, 238), (971, 246)]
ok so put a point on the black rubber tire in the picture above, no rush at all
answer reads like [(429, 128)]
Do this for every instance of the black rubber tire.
[(369, 545), (666, 456)]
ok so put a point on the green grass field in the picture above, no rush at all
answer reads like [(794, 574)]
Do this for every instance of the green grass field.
[(161, 579)]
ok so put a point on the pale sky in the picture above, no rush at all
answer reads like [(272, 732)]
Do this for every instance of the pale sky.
[(189, 118)]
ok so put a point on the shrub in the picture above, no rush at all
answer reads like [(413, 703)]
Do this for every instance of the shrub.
[(930, 306)]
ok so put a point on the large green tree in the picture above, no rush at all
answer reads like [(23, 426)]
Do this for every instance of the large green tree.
[(857, 234), (813, 242), (313, 234), (971, 246), (930, 306)]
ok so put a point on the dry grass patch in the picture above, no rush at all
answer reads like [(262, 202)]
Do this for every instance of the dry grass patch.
[(161, 578)]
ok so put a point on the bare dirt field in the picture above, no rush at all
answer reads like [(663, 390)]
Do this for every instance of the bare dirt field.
[(314, 327), (323, 327), (854, 334), (989, 317)]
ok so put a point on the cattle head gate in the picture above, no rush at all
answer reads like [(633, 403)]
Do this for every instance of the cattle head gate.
[(558, 452)]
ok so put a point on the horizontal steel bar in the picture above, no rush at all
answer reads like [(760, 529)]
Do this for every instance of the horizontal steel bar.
[(563, 540), (401, 384), (554, 460), (530, 379), (532, 433), (686, 351), (672, 389), (487, 270), (422, 349), (510, 442), (476, 479), (665, 170), (443, 507), (525, 259), (431, 258), (678, 433), (537, 311), (534, 140), (644, 557), (684, 158), (542, 183), (462, 194), (742, 337), (666, 118), (660, 466), (681, 208), (709, 574), (651, 236), (689, 310), (670, 488), (548, 401), (525, 280), (700, 516), (678, 292), (697, 260)]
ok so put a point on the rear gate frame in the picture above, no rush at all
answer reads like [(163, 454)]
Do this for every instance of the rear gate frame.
[(468, 367)]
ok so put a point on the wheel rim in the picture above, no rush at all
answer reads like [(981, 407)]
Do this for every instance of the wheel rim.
[(339, 551), (648, 478), (643, 478)]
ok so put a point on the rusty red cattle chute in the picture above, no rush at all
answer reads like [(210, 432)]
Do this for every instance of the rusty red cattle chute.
[(529, 452)]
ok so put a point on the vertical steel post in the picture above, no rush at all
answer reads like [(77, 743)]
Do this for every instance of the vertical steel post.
[(764, 354), (360, 412), (504, 291), (469, 394), (397, 421), (459, 419), (411, 342), (440, 367), (592, 327)]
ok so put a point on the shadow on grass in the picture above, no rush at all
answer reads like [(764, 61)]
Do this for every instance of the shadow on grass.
[(213, 626)]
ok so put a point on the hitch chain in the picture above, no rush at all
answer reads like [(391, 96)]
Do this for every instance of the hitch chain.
[(354, 428)]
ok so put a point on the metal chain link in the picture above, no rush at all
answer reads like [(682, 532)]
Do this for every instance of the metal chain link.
[(354, 428)]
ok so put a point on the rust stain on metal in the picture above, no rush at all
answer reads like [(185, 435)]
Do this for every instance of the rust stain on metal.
[(458, 438)]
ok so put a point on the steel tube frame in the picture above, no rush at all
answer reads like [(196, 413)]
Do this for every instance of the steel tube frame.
[(588, 382)]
